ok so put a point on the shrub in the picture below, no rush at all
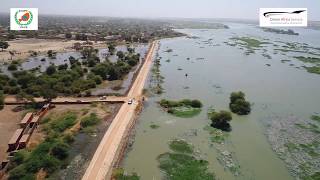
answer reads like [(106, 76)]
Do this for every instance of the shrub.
[(12, 67), (238, 104), (240, 107), (60, 150), (196, 104), (90, 120), (51, 70), (220, 120), (60, 125)]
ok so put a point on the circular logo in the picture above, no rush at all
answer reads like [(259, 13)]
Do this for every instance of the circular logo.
[(23, 17)]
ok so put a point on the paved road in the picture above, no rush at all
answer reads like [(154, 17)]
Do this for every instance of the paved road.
[(70, 100), (102, 161)]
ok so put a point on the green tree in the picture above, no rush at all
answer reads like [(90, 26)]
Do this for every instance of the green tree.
[(48, 93), (196, 103), (50, 53), (111, 48), (60, 150), (12, 67), (220, 120), (238, 104), (101, 70), (236, 95), (1, 100), (241, 107), (51, 70), (68, 35), (4, 45), (120, 54)]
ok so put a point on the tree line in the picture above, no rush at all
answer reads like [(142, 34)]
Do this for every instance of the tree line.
[(73, 78)]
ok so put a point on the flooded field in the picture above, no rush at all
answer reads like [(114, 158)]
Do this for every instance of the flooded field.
[(266, 66), (40, 63)]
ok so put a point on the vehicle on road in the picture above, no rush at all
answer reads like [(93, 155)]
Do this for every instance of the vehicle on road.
[(103, 98), (130, 101)]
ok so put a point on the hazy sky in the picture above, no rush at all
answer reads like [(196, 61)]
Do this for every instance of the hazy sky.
[(247, 9)]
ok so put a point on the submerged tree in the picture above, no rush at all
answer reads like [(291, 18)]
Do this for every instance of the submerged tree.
[(4, 45), (238, 104), (220, 120)]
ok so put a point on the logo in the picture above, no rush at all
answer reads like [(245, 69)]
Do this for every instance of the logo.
[(23, 19), (281, 17)]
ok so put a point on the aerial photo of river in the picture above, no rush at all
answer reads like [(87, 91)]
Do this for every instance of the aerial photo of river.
[(277, 141)]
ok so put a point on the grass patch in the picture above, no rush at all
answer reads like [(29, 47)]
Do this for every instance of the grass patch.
[(313, 69), (311, 149), (184, 167), (216, 135), (154, 126), (308, 59), (249, 42), (291, 146), (310, 126), (184, 112), (315, 118), (181, 146), (183, 108), (90, 120), (119, 174), (64, 122)]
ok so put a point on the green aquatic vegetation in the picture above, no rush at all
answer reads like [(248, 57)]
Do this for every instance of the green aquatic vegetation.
[(182, 164), (291, 146), (154, 126), (310, 126), (119, 174), (314, 176), (183, 108), (249, 42), (184, 112), (285, 60), (310, 149), (313, 69), (184, 167), (216, 135), (181, 146), (156, 78), (315, 118), (308, 59)]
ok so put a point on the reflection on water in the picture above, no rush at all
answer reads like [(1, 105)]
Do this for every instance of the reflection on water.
[(42, 62), (214, 71)]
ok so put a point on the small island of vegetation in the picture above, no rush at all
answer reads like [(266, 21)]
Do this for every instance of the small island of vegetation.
[(220, 120), (238, 103), (183, 108), (280, 31), (182, 164)]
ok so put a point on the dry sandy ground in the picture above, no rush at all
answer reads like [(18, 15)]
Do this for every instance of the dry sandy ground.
[(22, 47), (8, 124)]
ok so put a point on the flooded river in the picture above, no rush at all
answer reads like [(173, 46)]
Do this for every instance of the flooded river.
[(277, 90)]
